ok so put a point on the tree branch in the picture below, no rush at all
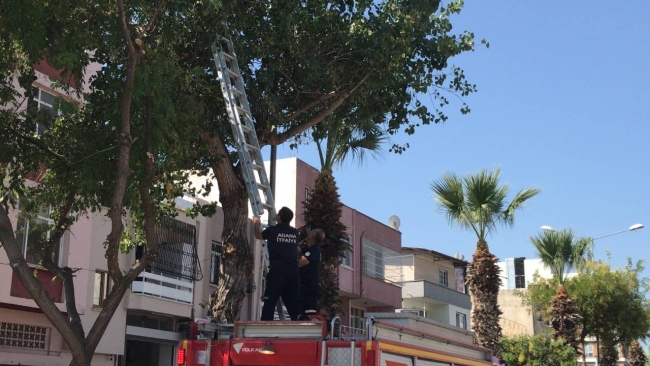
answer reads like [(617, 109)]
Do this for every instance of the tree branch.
[(125, 29), (124, 143), (66, 274), (39, 145), (151, 21), (277, 139), (310, 105)]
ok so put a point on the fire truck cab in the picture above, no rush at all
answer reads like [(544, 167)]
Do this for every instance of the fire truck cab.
[(308, 343)]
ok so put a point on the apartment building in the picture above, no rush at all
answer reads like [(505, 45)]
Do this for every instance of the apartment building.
[(147, 326), (364, 274), (433, 286), (162, 300)]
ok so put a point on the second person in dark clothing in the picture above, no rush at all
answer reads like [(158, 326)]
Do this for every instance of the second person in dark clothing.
[(283, 279), (309, 265)]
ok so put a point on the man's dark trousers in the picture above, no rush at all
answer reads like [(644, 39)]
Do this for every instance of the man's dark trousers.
[(285, 283), (310, 294)]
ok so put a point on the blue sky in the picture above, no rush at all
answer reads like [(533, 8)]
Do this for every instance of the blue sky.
[(562, 106)]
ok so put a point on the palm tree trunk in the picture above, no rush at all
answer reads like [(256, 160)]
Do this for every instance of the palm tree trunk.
[(484, 282)]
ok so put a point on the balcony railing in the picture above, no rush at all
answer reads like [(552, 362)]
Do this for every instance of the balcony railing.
[(381, 263), (165, 287)]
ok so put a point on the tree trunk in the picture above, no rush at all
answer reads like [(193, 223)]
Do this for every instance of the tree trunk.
[(565, 319), (484, 282), (236, 270)]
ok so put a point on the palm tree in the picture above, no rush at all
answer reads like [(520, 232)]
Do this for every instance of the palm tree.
[(561, 251), (336, 143), (637, 356), (477, 202)]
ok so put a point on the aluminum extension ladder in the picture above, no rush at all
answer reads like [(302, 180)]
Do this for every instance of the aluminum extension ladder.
[(243, 130)]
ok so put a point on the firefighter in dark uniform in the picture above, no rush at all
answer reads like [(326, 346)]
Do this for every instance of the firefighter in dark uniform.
[(283, 279), (309, 265)]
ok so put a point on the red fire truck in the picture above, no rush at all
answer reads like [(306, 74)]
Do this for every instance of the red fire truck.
[(308, 343)]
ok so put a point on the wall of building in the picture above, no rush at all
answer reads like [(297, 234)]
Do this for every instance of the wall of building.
[(82, 248), (428, 268), (516, 318)]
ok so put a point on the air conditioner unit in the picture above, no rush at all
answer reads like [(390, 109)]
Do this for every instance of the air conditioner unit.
[(418, 312)]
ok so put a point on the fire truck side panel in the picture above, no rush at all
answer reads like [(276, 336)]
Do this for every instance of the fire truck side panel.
[(391, 347), (339, 353), (288, 352)]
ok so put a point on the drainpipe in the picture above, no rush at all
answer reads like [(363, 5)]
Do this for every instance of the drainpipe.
[(361, 264), (351, 241)]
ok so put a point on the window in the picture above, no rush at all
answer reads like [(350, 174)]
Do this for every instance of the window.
[(348, 257), (520, 275), (443, 277), (101, 289), (307, 194), (357, 318), (215, 262), (44, 100), (150, 321), (32, 234), (461, 321), (589, 350)]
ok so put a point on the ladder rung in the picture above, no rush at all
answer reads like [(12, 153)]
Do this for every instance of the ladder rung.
[(228, 56), (237, 92), (233, 74), (252, 148), (246, 128), (242, 111), (257, 167), (262, 186), (267, 206)]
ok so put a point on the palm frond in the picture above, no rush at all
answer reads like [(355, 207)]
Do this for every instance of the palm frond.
[(352, 141), (448, 191), (363, 143), (517, 203), (485, 198), (562, 251)]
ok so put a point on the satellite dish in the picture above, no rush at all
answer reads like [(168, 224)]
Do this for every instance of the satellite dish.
[(459, 256), (394, 222)]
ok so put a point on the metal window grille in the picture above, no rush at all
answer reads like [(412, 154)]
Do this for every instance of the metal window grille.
[(177, 255), (23, 336)]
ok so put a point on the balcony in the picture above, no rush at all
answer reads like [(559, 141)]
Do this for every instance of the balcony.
[(156, 284), (438, 293), (53, 286)]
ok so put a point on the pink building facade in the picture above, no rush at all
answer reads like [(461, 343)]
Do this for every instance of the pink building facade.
[(365, 271), (149, 322)]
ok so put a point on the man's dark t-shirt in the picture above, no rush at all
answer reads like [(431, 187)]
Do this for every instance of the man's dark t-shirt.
[(282, 241), (310, 274)]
